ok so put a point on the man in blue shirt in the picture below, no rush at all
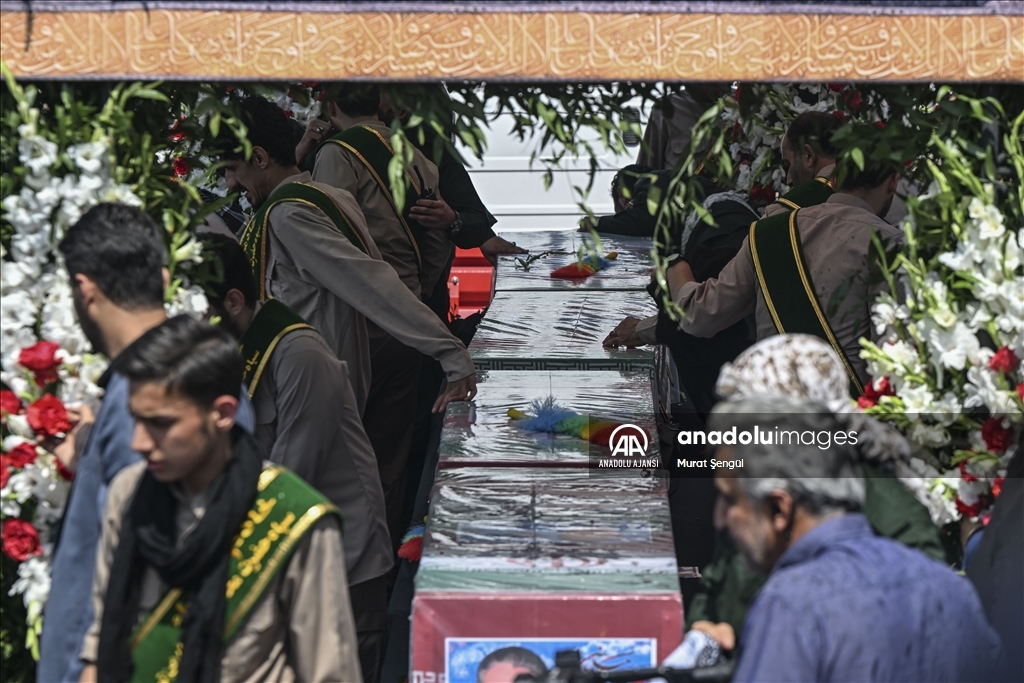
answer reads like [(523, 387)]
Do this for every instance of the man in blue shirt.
[(117, 261), (840, 604)]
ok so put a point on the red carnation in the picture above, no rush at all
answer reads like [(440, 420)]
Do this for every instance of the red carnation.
[(871, 395), (997, 438), (48, 417), (1020, 391), (20, 540), (968, 510), (835, 87), (1004, 361), (180, 167), (763, 194), (853, 99), (997, 486), (880, 125), (41, 359), (5, 472), (22, 454), (178, 137), (9, 402), (964, 474), (839, 115), (736, 93)]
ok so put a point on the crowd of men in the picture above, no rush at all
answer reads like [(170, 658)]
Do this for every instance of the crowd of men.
[(270, 452)]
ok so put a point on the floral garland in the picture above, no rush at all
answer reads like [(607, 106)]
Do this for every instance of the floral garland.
[(947, 368)]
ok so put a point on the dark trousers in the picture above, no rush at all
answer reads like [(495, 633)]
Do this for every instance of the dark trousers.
[(389, 416), (370, 609)]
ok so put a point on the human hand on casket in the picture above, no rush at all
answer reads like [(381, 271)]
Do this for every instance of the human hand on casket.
[(624, 334), (460, 390), (497, 246)]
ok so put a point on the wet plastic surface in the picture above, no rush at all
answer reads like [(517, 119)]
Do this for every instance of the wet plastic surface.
[(538, 330), (631, 270), (481, 433)]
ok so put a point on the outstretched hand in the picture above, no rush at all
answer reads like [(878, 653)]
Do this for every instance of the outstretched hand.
[(460, 390), (624, 334), (497, 246)]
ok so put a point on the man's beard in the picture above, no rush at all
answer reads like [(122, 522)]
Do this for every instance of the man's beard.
[(89, 327)]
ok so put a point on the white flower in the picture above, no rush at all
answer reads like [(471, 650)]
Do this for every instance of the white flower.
[(987, 218), (916, 398), (89, 156), (37, 154), (983, 390), (904, 357), (192, 250), (952, 348), (190, 301), (929, 436)]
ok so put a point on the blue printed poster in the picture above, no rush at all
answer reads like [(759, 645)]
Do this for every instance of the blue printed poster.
[(500, 660)]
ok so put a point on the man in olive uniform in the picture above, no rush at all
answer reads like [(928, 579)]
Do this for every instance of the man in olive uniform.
[(308, 421), (214, 564)]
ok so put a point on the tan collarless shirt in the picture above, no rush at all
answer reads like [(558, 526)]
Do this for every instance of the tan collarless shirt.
[(308, 420), (326, 279), (301, 629), (841, 260), (340, 168)]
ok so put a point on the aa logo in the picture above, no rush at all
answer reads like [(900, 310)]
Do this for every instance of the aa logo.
[(628, 441)]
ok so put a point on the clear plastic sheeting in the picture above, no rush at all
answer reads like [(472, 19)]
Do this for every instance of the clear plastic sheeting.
[(481, 432), (538, 330), (631, 270), (549, 528), (462, 476)]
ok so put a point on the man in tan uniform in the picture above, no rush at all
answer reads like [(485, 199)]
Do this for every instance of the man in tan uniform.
[(203, 513), (308, 421), (809, 158), (840, 263), (356, 160)]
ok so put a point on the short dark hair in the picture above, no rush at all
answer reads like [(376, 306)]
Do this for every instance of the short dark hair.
[(814, 128), (356, 99), (191, 358), (235, 267), (875, 173), (516, 656), (122, 250), (267, 127), (627, 176)]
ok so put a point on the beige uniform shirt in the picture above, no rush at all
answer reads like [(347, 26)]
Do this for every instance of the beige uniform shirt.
[(308, 420), (836, 239), (326, 279), (338, 167), (301, 629)]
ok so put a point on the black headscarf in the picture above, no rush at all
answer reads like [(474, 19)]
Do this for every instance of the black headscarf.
[(199, 567)]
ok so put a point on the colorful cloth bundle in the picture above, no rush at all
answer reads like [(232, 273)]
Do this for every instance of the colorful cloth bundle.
[(412, 543), (585, 267), (550, 417)]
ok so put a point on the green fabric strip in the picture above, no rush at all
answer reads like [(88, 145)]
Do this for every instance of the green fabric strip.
[(254, 236), (785, 282), (271, 323), (285, 509), (376, 153)]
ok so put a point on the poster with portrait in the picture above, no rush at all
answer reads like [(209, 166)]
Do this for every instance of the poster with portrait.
[(500, 660)]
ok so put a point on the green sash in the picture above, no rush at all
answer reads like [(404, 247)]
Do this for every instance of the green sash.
[(786, 284), (254, 236), (285, 509), (811, 193), (272, 322), (375, 152)]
